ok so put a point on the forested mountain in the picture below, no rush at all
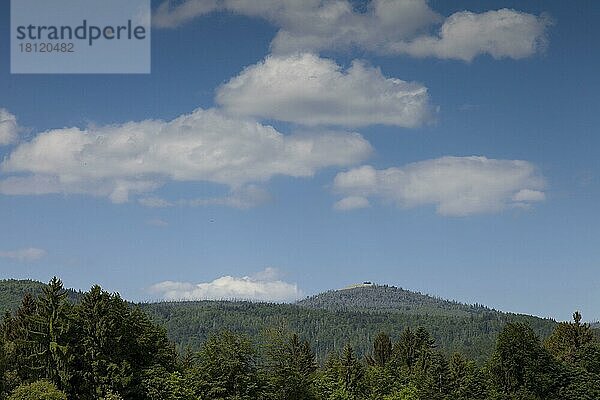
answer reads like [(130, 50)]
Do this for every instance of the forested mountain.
[(189, 323), (13, 290), (329, 320), (347, 316), (371, 297), (104, 348)]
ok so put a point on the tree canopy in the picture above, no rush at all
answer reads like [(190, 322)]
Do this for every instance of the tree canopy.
[(102, 347)]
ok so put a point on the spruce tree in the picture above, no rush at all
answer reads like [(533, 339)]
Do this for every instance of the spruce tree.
[(48, 332), (569, 338), (382, 350)]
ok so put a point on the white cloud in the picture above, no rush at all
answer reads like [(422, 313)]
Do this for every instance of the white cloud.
[(526, 195), (24, 255), (457, 186), (268, 274), (351, 203), (306, 89), (117, 161), (385, 27), (336, 25), (8, 127), (465, 35), (264, 286)]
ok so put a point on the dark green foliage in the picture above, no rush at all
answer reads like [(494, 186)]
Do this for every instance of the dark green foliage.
[(384, 298), (17, 335), (411, 347), (49, 334), (160, 384), (116, 343), (190, 323), (226, 368), (39, 390), (343, 377), (465, 380), (382, 350), (289, 366), (13, 290), (568, 338), (102, 348), (351, 373), (520, 364), (575, 345), (96, 349), (330, 320), (405, 393)]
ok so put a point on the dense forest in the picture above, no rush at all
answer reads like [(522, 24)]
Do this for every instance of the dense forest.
[(329, 320), (371, 297), (333, 319), (102, 347), (189, 324)]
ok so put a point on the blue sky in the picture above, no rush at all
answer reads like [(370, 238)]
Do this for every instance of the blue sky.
[(286, 156)]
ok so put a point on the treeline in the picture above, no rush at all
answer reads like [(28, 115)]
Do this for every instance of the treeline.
[(189, 324), (103, 348), (328, 321)]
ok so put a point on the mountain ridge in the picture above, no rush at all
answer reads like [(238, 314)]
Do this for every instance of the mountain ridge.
[(326, 320), (375, 297)]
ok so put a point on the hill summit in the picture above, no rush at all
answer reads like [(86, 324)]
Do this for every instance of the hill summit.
[(368, 296)]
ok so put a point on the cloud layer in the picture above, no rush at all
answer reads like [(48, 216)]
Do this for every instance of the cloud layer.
[(117, 161), (8, 127), (309, 90), (264, 286), (456, 186), (385, 27), (24, 255)]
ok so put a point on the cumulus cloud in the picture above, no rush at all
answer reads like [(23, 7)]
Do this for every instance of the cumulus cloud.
[(385, 27), (306, 89), (456, 186), (24, 255), (8, 127), (117, 161), (502, 34), (266, 285)]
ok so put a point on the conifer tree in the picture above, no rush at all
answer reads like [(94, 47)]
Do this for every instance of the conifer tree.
[(290, 365), (520, 364), (227, 368), (351, 373), (569, 338), (382, 350), (48, 332)]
